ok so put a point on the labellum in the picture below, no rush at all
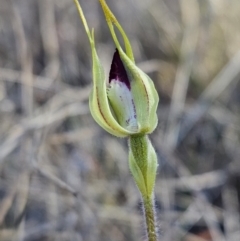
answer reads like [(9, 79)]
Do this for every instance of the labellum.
[(120, 95)]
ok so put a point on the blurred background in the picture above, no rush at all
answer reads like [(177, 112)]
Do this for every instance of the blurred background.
[(63, 178)]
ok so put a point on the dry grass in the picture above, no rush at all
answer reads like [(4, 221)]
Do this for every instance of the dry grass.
[(63, 178)]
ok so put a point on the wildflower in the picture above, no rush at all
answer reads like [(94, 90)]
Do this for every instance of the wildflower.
[(125, 105)]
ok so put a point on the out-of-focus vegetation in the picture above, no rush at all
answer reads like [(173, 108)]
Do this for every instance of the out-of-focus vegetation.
[(62, 177)]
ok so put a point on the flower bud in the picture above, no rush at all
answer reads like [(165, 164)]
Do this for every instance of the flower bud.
[(125, 105)]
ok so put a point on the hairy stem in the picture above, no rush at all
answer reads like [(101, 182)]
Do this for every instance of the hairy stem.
[(150, 219)]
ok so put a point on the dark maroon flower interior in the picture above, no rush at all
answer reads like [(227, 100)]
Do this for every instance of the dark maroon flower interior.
[(118, 71)]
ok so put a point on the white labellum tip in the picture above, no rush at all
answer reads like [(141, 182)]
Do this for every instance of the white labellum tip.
[(120, 98)]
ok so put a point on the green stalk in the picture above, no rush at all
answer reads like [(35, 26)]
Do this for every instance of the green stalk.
[(143, 165), (149, 211)]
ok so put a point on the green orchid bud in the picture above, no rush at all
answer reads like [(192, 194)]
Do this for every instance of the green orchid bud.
[(126, 104)]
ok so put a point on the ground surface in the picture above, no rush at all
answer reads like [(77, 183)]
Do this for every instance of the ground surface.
[(64, 178)]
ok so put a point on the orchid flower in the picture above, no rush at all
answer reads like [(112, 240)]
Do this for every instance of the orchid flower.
[(126, 103)]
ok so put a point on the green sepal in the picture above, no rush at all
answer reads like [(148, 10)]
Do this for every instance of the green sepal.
[(111, 19), (98, 101), (99, 104), (144, 93)]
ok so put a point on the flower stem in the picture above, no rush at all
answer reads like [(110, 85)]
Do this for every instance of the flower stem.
[(150, 219)]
